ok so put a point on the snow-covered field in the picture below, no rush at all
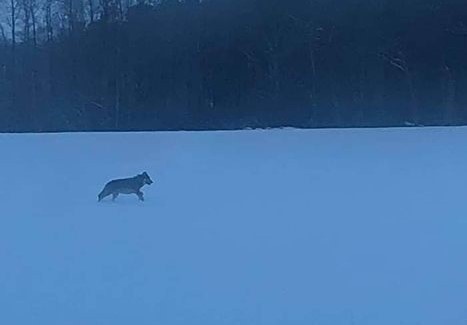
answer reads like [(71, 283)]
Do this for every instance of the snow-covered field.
[(319, 227)]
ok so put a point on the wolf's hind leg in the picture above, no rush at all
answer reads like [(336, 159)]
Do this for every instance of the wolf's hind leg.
[(103, 194), (114, 196)]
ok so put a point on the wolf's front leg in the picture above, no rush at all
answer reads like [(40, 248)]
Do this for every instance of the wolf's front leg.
[(140, 195), (114, 196)]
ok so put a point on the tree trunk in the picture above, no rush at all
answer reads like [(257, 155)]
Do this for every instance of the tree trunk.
[(91, 11), (71, 18), (13, 24), (27, 20), (48, 20), (450, 96), (33, 21)]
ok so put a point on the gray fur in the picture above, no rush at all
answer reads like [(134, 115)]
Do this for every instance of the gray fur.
[(131, 185)]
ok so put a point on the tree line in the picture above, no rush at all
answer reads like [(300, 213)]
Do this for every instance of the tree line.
[(68, 65)]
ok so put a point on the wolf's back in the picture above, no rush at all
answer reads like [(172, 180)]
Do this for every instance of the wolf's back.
[(122, 186)]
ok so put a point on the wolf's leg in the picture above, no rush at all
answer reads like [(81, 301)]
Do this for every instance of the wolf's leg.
[(102, 195), (114, 196), (140, 195)]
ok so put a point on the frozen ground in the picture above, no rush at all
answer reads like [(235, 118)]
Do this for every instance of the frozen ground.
[(323, 227)]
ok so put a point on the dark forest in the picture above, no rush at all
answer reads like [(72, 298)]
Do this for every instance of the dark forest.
[(79, 65)]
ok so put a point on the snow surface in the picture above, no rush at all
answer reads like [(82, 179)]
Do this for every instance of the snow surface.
[(354, 227)]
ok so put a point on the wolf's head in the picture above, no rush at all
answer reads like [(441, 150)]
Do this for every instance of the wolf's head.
[(146, 179)]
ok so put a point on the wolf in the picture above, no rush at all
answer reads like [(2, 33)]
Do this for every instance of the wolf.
[(130, 185)]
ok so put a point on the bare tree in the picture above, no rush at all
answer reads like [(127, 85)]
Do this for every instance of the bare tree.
[(91, 10), (29, 11), (13, 8), (48, 14), (110, 10), (73, 13), (2, 32), (70, 16)]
